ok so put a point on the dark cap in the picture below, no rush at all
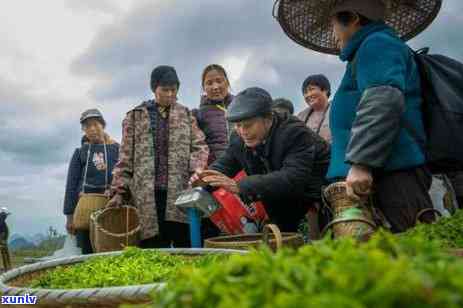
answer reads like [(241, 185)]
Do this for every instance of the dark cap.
[(92, 114), (250, 103)]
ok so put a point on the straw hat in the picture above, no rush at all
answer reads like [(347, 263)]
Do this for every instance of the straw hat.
[(308, 22)]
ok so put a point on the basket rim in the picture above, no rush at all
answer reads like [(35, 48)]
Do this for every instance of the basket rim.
[(94, 195), (95, 215), (132, 232), (96, 293), (110, 208), (286, 236), (334, 186)]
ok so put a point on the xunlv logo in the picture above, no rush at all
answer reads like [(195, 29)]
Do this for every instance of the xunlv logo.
[(25, 299)]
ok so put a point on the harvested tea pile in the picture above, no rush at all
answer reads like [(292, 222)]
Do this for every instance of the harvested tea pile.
[(134, 267), (448, 231), (386, 272)]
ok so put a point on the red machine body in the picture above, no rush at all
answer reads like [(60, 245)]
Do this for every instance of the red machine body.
[(235, 217)]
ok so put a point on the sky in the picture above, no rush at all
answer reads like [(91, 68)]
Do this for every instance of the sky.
[(60, 57)]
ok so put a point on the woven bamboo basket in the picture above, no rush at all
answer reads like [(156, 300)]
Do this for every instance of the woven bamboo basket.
[(308, 22), (15, 282), (114, 228), (271, 236), (349, 218), (88, 203)]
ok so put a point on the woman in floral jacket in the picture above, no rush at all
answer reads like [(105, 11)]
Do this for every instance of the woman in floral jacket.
[(161, 147)]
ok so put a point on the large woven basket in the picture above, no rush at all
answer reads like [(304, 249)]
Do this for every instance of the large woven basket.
[(308, 23), (14, 282), (114, 228), (275, 241), (88, 203)]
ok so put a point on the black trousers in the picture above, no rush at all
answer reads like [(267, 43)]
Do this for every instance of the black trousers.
[(171, 234), (401, 195), (83, 241)]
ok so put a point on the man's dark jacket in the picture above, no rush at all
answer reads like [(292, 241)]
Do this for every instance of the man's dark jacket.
[(286, 172)]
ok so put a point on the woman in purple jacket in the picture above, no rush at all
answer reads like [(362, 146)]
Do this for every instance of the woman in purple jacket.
[(211, 113), (211, 120)]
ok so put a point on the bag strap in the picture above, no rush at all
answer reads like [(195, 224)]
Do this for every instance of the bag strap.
[(86, 168), (322, 120), (308, 115), (407, 125), (107, 165)]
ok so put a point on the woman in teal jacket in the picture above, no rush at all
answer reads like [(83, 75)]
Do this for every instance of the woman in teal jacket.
[(378, 99), (377, 108)]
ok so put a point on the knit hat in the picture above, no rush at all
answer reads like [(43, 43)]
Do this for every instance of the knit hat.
[(317, 80), (164, 76)]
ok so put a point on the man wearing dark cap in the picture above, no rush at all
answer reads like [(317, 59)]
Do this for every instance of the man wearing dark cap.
[(161, 147), (285, 162), (316, 90)]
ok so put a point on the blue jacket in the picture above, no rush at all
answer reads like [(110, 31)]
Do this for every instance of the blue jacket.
[(379, 91), (95, 177)]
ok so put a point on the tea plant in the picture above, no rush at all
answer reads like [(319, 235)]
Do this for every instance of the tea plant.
[(386, 272), (448, 231)]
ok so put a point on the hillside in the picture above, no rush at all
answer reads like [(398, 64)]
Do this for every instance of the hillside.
[(45, 248), (20, 243)]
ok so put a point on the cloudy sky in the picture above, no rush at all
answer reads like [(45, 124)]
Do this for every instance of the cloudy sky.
[(60, 57)]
